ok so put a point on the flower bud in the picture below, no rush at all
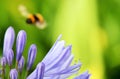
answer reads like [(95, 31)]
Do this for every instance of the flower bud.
[(3, 61), (8, 40), (20, 43), (13, 74), (31, 56)]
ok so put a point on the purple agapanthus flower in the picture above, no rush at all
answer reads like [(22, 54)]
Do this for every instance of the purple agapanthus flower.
[(55, 65)]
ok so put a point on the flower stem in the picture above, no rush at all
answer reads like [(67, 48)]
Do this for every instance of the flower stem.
[(10, 67), (26, 74), (16, 66), (3, 72)]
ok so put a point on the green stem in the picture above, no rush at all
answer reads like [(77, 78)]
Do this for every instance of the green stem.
[(16, 66), (10, 67), (19, 75), (3, 73), (8, 76), (26, 73)]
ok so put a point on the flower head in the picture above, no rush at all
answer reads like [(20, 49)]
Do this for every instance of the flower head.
[(55, 65), (58, 62)]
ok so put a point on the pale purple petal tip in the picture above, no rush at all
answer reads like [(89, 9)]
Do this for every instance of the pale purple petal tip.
[(8, 40), (56, 42), (84, 75), (40, 71), (9, 56), (21, 64), (31, 56), (20, 43), (13, 74)]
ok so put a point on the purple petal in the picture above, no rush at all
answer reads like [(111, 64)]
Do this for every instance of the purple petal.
[(60, 68), (8, 40), (72, 69), (32, 75), (21, 40), (60, 59), (50, 51), (62, 65), (31, 56), (40, 71), (85, 75), (54, 53), (58, 39), (53, 77)]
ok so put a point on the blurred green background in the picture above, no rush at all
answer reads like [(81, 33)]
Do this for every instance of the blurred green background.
[(91, 26)]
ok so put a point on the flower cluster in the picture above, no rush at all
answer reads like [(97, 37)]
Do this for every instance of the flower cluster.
[(55, 65)]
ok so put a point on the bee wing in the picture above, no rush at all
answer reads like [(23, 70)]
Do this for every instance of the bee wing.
[(41, 25), (23, 10)]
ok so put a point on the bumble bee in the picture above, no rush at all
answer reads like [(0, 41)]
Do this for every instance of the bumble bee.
[(36, 19)]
